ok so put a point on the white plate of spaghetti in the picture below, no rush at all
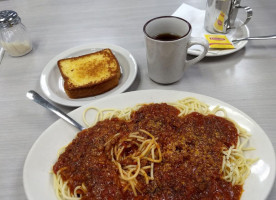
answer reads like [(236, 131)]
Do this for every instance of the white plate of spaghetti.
[(144, 152)]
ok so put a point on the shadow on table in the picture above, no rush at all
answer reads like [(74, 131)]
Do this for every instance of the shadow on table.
[(134, 86), (215, 68), (234, 56)]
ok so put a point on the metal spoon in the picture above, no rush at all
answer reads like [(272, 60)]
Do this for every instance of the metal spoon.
[(266, 37), (32, 95), (1, 53)]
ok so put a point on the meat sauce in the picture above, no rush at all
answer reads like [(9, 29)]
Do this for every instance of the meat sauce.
[(191, 149)]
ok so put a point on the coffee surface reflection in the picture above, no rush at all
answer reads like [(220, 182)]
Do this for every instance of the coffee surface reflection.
[(167, 37)]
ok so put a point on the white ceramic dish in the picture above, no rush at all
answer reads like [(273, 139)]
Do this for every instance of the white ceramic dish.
[(240, 32), (196, 18), (51, 81), (43, 154)]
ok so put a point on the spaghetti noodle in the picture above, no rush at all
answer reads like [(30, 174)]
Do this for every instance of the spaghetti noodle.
[(144, 149), (63, 191), (136, 153)]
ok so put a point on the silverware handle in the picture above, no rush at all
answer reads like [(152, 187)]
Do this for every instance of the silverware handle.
[(266, 37), (2, 51), (32, 95)]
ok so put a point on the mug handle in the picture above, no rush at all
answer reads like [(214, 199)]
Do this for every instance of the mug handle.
[(249, 12), (199, 41)]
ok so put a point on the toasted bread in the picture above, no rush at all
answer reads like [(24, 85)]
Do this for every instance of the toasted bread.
[(90, 74)]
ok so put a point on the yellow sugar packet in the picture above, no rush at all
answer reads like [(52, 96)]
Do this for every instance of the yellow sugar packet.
[(219, 42)]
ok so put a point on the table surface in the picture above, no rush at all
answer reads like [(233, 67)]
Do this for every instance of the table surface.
[(245, 79)]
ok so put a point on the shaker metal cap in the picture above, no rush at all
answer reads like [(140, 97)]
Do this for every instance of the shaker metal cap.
[(8, 18)]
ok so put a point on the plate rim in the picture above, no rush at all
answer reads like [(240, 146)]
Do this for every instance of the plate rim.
[(150, 91), (133, 68), (224, 52)]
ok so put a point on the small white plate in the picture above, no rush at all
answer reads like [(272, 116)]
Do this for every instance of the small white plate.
[(37, 180), (51, 81), (196, 18), (240, 32)]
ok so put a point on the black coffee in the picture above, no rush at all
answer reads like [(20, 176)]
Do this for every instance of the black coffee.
[(167, 37)]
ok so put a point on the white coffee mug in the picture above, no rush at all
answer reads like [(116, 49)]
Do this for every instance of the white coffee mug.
[(167, 41)]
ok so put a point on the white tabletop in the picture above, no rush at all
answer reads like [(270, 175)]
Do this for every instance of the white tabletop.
[(245, 79)]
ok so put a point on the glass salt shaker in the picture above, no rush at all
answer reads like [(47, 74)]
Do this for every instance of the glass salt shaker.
[(14, 37)]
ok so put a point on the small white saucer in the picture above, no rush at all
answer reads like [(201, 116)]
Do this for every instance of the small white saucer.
[(51, 81), (196, 18), (240, 32)]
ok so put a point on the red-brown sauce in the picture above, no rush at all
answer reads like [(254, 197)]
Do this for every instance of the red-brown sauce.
[(191, 149)]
